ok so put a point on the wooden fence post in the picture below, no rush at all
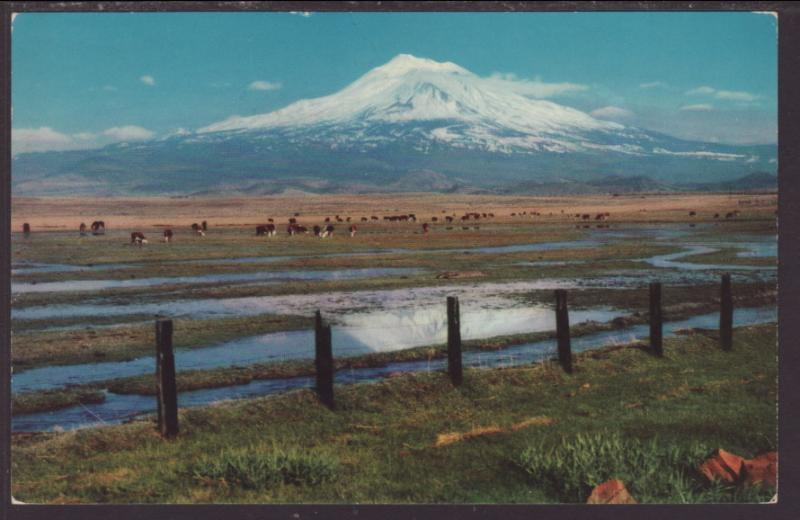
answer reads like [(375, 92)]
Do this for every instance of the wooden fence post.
[(166, 389), (562, 331), (656, 321), (454, 367), (726, 314), (323, 361)]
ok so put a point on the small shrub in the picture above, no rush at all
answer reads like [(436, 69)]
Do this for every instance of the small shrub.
[(261, 467), (653, 471)]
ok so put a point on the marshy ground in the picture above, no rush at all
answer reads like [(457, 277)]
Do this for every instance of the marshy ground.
[(242, 306)]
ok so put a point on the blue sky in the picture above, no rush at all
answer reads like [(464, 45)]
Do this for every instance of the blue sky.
[(84, 80)]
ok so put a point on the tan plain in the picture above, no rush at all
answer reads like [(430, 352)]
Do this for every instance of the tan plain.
[(56, 213)]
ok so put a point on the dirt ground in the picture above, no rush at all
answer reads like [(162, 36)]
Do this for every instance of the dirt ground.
[(53, 213)]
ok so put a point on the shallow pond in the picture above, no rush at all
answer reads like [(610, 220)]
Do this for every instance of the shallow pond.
[(383, 331), (258, 276), (118, 408)]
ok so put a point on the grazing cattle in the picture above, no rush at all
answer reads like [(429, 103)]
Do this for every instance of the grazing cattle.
[(198, 229), (716, 215), (347, 219), (294, 229), (204, 225), (292, 221), (26, 229), (168, 235), (435, 219), (491, 215), (364, 219), (600, 216), (268, 230), (586, 216), (270, 220), (513, 214), (137, 237), (297, 214), (692, 213), (412, 217), (353, 230), (729, 215), (82, 229), (327, 219), (98, 227), (328, 231), (425, 228), (449, 219), (317, 231), (373, 217)]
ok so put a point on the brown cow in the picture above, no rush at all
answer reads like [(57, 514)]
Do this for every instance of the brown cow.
[(98, 227), (82, 229), (198, 229), (267, 229), (204, 225), (137, 237), (425, 228), (167, 235), (26, 229)]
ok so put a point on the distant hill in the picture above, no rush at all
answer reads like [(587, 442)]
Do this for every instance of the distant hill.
[(758, 181)]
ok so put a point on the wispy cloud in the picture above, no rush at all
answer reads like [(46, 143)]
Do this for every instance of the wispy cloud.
[(612, 113), (46, 139), (128, 133), (304, 14), (148, 80), (700, 107), (263, 85), (704, 90), (535, 88), (653, 84), (728, 95)]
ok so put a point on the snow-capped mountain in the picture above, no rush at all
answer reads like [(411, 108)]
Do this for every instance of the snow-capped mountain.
[(407, 116)]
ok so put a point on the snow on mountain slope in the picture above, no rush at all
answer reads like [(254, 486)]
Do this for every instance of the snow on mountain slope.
[(409, 89)]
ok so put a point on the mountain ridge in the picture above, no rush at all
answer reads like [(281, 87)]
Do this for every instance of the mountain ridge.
[(406, 116)]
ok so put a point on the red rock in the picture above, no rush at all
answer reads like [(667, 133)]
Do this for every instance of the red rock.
[(762, 469), (723, 466), (610, 492)]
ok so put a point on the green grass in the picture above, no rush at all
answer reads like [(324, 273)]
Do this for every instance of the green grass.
[(129, 341), (654, 470), (384, 435), (261, 467), (33, 402)]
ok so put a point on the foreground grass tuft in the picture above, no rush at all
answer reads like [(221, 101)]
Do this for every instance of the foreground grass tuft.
[(654, 471), (260, 467)]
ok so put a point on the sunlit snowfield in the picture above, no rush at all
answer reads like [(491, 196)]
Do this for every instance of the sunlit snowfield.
[(83, 307)]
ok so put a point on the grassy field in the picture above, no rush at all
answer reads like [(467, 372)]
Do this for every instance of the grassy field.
[(508, 435), (504, 436)]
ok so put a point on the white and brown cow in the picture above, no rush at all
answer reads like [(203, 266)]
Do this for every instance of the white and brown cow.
[(138, 238), (198, 229), (168, 235), (327, 232), (353, 230)]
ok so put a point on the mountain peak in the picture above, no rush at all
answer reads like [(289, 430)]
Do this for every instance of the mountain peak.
[(405, 63), (411, 89)]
